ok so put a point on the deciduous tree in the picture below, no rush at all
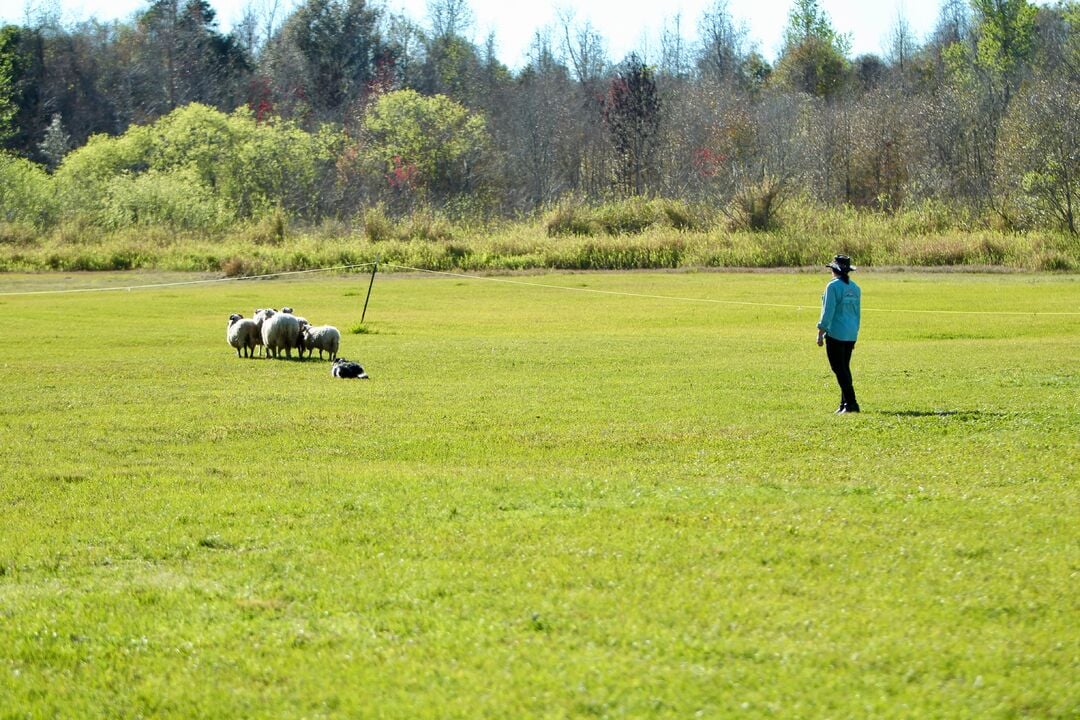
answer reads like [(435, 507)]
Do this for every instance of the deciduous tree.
[(430, 145), (814, 56)]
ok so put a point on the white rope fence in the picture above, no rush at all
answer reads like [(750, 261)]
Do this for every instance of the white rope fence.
[(525, 283), (715, 301), (208, 281)]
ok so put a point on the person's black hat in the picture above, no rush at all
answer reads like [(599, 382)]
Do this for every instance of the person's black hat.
[(841, 264)]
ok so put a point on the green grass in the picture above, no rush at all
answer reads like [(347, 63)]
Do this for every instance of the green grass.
[(545, 503)]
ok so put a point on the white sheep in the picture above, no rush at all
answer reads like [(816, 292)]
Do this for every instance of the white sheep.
[(321, 337), (279, 332), (242, 334), (260, 316)]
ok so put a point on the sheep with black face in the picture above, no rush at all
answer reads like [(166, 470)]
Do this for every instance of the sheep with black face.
[(321, 337), (242, 334)]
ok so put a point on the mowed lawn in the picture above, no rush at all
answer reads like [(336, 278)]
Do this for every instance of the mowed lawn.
[(545, 503)]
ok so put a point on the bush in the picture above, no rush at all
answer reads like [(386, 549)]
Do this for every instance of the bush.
[(754, 207), (626, 217), (630, 216), (17, 234), (267, 230), (570, 217), (682, 216), (377, 226), (237, 169), (174, 199), (27, 193), (429, 226)]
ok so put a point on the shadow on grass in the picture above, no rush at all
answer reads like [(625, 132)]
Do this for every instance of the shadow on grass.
[(959, 414)]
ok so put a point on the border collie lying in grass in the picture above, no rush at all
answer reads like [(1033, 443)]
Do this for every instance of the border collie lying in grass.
[(343, 368)]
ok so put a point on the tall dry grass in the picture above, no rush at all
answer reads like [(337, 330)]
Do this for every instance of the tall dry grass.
[(633, 234)]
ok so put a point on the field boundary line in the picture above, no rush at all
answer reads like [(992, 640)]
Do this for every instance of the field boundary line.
[(548, 286), (720, 302), (185, 282)]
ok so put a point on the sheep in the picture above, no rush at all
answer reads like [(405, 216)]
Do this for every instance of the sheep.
[(304, 324), (289, 310), (322, 337), (299, 337), (242, 334), (279, 332), (343, 368), (260, 316)]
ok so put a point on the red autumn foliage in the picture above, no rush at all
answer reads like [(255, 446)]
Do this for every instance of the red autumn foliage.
[(403, 176)]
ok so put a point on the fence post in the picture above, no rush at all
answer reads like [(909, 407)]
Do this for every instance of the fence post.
[(374, 270)]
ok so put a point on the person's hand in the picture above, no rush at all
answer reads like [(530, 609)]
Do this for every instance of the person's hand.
[(820, 339)]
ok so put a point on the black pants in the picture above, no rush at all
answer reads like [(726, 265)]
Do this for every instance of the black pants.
[(839, 352)]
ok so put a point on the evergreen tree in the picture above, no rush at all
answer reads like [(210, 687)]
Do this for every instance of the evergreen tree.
[(632, 115)]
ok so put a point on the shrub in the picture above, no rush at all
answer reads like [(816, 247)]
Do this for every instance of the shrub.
[(683, 216), (377, 226), (17, 234), (27, 193), (250, 168), (267, 230), (754, 206), (629, 216), (174, 199), (428, 225), (625, 217), (76, 230), (570, 217)]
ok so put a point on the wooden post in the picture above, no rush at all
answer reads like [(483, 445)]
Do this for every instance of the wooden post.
[(374, 270)]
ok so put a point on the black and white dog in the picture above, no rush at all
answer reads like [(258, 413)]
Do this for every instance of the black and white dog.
[(343, 368)]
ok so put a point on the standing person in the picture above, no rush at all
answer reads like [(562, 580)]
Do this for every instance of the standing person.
[(838, 328)]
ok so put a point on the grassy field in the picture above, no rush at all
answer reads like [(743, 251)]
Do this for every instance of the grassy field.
[(545, 503)]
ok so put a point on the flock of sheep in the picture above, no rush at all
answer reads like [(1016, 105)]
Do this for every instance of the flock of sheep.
[(283, 331)]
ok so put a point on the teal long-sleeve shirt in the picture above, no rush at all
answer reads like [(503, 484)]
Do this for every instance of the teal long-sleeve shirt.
[(840, 306)]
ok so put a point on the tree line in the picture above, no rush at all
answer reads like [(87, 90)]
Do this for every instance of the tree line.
[(340, 105)]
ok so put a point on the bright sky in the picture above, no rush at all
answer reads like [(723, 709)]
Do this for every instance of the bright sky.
[(626, 25)]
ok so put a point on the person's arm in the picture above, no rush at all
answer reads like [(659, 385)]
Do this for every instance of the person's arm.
[(828, 310)]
